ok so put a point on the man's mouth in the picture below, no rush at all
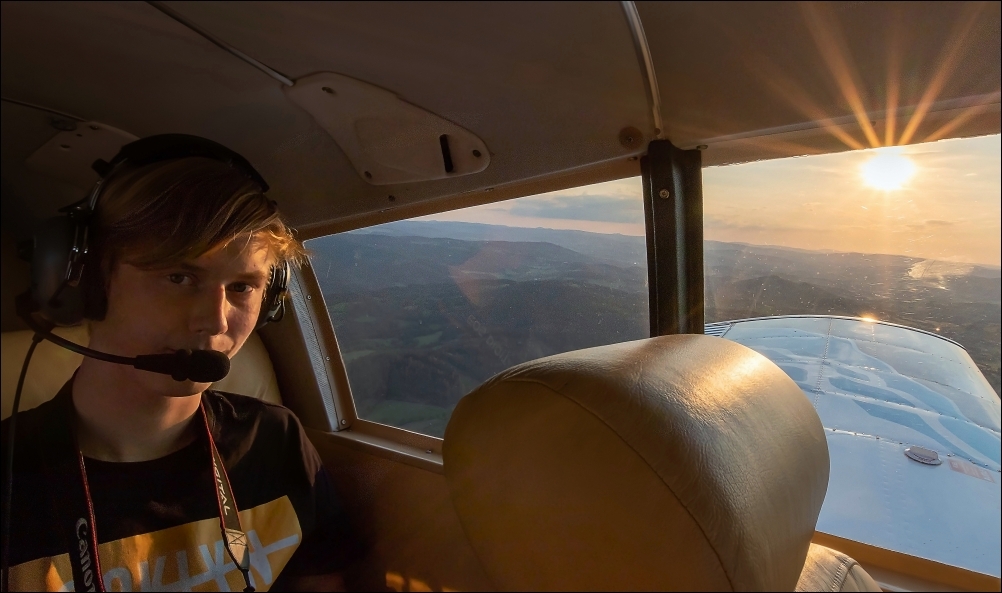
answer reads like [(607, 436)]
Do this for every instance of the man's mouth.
[(169, 350)]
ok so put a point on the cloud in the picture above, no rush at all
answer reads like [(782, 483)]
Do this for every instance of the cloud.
[(932, 225), (738, 224), (594, 207), (716, 223)]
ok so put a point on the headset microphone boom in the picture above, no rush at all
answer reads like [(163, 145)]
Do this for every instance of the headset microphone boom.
[(200, 366)]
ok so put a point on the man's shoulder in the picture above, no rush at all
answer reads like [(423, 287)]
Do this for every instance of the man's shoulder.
[(256, 439), (249, 425), (33, 425), (233, 409), (37, 416)]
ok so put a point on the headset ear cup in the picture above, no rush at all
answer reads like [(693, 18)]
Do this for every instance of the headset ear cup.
[(57, 300), (279, 309), (273, 307)]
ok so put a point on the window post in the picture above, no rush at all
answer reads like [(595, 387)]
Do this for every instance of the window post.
[(673, 212)]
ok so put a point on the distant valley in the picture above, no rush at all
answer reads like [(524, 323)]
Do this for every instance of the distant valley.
[(426, 311)]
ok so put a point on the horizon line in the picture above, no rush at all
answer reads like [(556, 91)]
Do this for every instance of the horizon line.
[(919, 258)]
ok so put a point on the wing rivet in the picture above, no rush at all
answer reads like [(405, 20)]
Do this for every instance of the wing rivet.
[(923, 455)]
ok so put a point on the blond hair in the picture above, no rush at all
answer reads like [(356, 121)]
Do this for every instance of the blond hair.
[(170, 211)]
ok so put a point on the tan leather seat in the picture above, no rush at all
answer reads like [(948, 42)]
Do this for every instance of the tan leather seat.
[(681, 462), (251, 372), (828, 570)]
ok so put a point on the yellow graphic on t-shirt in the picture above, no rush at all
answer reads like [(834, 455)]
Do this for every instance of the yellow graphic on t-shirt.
[(189, 557)]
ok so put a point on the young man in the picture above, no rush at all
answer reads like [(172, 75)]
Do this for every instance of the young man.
[(181, 256)]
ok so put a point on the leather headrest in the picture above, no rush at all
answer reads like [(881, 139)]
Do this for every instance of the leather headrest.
[(680, 462)]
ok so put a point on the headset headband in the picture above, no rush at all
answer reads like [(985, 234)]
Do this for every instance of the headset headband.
[(165, 147)]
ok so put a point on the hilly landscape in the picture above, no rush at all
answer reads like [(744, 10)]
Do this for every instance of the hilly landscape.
[(426, 311)]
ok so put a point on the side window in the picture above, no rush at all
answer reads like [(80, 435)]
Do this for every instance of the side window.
[(425, 310), (908, 235)]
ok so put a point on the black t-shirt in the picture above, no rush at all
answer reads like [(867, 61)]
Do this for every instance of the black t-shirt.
[(157, 522)]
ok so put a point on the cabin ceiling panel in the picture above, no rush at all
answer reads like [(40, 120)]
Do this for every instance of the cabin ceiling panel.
[(548, 87), (129, 66), (733, 70)]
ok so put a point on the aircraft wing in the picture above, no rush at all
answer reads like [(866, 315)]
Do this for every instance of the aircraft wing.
[(879, 389)]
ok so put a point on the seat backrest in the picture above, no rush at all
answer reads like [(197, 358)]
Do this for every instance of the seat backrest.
[(251, 372), (679, 462)]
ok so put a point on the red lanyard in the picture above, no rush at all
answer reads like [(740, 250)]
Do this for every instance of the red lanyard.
[(229, 517), (85, 563), (84, 554)]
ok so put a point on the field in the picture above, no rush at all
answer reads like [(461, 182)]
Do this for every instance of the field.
[(427, 311)]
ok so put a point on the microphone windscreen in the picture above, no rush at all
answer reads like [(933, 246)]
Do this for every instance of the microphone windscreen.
[(200, 366), (207, 366)]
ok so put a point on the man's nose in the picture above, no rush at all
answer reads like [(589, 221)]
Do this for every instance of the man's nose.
[(209, 314)]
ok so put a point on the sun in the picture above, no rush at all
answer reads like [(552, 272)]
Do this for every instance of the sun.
[(888, 169)]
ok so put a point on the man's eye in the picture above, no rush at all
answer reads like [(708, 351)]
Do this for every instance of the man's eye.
[(179, 278), (241, 287)]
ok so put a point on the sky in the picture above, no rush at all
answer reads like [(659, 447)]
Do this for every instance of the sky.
[(947, 209)]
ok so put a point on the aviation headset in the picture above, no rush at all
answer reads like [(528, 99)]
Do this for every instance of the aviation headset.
[(67, 284)]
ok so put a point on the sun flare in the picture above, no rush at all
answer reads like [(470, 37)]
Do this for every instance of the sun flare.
[(888, 169)]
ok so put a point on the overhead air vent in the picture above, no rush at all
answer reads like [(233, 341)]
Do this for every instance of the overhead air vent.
[(387, 139)]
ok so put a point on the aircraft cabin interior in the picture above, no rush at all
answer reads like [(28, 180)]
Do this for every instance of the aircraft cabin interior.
[(535, 406)]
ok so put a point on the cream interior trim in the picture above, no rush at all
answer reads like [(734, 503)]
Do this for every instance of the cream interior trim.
[(313, 324), (415, 440), (365, 438)]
